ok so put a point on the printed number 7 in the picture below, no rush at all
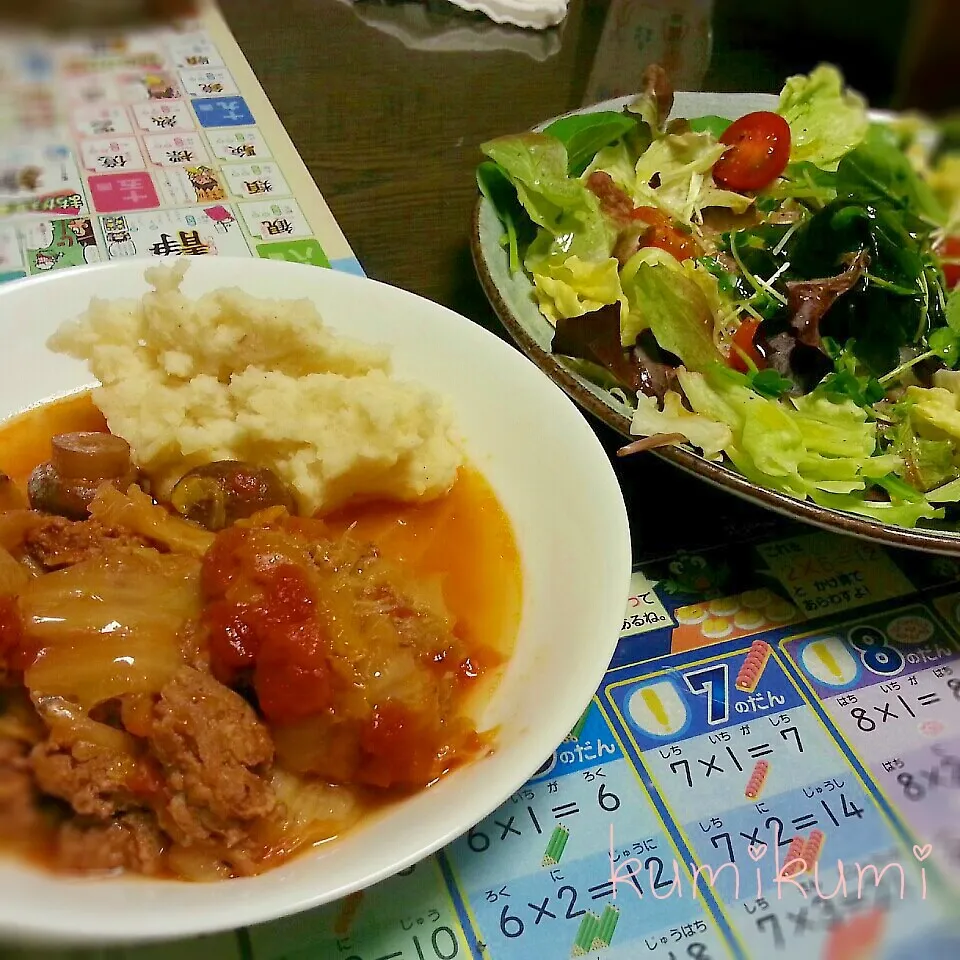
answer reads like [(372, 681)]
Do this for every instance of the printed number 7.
[(714, 682)]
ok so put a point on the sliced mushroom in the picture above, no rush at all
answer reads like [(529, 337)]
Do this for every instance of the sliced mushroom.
[(80, 463), (218, 494)]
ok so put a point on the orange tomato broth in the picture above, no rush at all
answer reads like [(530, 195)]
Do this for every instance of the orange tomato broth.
[(465, 536), (25, 439)]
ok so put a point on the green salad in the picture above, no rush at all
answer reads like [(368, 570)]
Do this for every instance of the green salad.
[(779, 291)]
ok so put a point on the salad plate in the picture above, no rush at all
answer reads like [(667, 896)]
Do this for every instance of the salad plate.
[(810, 368)]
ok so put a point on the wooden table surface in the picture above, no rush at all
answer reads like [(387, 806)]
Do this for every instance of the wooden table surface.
[(388, 103)]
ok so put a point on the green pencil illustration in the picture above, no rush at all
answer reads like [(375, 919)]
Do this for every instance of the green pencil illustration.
[(589, 926), (608, 924), (555, 846), (574, 734)]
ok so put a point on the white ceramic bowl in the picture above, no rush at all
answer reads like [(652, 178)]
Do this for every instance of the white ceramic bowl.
[(555, 482)]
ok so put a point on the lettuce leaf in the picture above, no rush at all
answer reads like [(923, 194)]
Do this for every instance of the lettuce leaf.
[(825, 121), (809, 447), (680, 165), (933, 412), (570, 286), (903, 513), (536, 165), (647, 109), (706, 434), (674, 307), (584, 134), (926, 463), (618, 161), (948, 493)]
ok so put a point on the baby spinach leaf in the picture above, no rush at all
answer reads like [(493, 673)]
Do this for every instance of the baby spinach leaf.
[(584, 134), (805, 181), (709, 124), (496, 186), (944, 342), (945, 345), (892, 306), (952, 312), (878, 171), (769, 383), (846, 381)]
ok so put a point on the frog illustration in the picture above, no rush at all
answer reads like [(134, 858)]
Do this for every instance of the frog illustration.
[(693, 575)]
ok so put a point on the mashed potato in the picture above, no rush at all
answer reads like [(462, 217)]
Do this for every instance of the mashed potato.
[(232, 377)]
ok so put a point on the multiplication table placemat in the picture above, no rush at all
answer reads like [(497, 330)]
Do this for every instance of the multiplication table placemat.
[(153, 143), (771, 767)]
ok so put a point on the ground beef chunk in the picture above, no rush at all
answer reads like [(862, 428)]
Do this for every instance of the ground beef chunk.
[(92, 778), (56, 542), (19, 811), (215, 755), (130, 842)]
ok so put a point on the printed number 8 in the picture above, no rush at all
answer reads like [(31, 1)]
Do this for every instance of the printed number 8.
[(875, 654)]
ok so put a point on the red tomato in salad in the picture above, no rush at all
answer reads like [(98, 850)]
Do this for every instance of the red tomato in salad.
[(759, 148), (950, 255), (743, 340), (665, 235)]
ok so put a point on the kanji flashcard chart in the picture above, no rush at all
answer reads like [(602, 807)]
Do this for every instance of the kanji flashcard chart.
[(153, 143)]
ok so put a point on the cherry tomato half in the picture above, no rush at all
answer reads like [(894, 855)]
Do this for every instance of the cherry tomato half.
[(665, 235), (950, 255), (743, 340), (759, 148)]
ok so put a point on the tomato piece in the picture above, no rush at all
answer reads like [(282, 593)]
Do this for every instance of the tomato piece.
[(398, 751), (664, 235), (759, 149), (619, 207), (287, 594), (222, 563), (743, 340), (292, 678), (950, 257), (233, 637)]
